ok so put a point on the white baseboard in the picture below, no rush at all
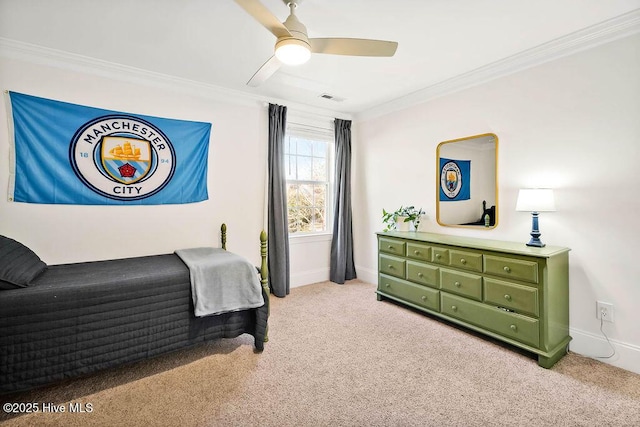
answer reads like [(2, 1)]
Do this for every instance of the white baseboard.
[(314, 276), (595, 346), (367, 275), (308, 277)]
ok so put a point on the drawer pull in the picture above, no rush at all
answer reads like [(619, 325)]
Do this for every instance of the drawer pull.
[(514, 328), (507, 269), (387, 285), (438, 256), (463, 261), (457, 284), (416, 252), (390, 267), (390, 247), (424, 298), (420, 275), (507, 297), (454, 308)]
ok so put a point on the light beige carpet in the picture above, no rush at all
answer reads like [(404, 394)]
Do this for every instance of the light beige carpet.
[(338, 357)]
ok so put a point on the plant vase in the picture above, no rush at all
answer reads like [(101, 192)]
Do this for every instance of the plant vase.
[(403, 223)]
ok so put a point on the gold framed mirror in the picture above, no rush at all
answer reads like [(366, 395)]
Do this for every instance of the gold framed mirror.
[(467, 182)]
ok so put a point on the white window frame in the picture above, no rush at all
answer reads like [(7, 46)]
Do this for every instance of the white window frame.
[(325, 135)]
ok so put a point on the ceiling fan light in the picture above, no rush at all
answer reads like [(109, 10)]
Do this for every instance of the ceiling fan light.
[(293, 52)]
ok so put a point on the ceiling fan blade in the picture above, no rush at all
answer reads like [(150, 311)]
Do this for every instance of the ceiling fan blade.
[(354, 47), (266, 71), (264, 16)]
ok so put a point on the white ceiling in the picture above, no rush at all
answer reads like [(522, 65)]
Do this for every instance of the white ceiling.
[(214, 42)]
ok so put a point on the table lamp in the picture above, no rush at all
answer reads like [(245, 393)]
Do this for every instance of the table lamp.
[(535, 200)]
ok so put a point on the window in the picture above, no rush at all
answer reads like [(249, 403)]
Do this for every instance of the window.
[(309, 169)]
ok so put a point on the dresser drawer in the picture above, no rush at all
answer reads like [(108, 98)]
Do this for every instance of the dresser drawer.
[(512, 268), (463, 309), (392, 265), (418, 251), (440, 255), (511, 325), (466, 260), (457, 282), (415, 294), (391, 246), (423, 274), (522, 299)]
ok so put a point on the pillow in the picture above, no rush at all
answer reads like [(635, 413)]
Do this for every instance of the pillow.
[(19, 266)]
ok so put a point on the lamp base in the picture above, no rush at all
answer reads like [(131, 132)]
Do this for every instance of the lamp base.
[(535, 232), (536, 243)]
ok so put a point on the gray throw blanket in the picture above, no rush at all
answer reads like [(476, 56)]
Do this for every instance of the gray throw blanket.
[(221, 281)]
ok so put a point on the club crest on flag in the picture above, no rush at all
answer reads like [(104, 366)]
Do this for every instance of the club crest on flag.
[(451, 179), (122, 157), (125, 159)]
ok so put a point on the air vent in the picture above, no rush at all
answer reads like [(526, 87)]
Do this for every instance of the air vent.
[(331, 97)]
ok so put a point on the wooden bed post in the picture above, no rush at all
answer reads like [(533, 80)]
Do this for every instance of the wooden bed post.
[(223, 235), (264, 270), (264, 275)]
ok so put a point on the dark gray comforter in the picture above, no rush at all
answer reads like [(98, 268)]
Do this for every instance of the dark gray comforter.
[(79, 318)]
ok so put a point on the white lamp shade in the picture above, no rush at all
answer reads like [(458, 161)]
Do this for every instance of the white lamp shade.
[(293, 51), (536, 200)]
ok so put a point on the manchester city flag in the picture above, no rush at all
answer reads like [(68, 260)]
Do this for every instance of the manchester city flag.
[(73, 154), (455, 181)]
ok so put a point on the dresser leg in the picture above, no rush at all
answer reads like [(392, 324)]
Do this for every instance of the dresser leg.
[(378, 297), (548, 362)]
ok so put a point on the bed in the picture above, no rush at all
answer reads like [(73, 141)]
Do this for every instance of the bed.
[(63, 321)]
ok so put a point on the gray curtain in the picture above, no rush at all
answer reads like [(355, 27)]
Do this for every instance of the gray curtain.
[(342, 267), (278, 224)]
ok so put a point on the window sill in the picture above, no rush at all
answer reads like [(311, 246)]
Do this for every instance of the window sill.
[(309, 238)]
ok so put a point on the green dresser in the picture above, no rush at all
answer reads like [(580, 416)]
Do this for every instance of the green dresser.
[(506, 290)]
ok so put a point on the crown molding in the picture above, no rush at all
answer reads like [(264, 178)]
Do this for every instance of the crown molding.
[(40, 55), (616, 28), (45, 56)]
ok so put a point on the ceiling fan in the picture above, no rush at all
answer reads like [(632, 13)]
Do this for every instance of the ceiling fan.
[(293, 47)]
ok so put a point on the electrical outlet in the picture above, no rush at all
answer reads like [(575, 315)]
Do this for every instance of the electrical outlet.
[(604, 311)]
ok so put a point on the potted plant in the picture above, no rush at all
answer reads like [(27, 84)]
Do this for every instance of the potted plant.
[(390, 219), (402, 215), (413, 215)]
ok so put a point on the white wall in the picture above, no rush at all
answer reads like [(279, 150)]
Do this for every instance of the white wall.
[(309, 259), (236, 169), (572, 124)]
